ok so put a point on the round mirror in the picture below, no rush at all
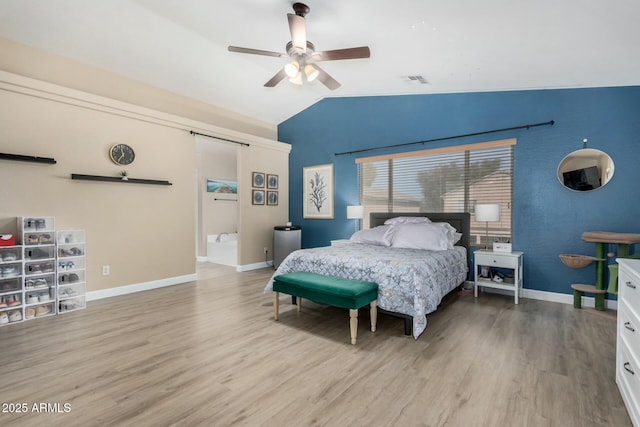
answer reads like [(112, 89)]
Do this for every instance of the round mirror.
[(585, 170)]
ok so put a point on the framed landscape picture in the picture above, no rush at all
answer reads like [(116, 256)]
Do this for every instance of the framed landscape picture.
[(222, 186), (318, 191)]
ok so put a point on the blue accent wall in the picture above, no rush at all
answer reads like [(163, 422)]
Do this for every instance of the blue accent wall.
[(548, 219)]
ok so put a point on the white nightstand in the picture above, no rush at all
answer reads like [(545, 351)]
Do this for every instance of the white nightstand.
[(507, 260)]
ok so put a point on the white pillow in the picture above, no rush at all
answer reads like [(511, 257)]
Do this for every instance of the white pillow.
[(374, 236), (407, 220), (452, 235), (420, 236)]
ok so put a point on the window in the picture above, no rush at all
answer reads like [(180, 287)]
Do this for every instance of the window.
[(451, 179)]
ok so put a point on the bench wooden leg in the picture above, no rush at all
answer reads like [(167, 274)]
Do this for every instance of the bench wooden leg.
[(373, 310), (299, 303), (353, 325), (276, 304)]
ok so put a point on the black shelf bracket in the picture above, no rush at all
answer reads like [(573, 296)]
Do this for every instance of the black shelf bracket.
[(23, 158), (117, 179)]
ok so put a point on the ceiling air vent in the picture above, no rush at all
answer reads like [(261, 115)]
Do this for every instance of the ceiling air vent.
[(418, 78)]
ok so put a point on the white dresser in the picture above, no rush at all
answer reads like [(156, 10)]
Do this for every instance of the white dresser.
[(628, 336)]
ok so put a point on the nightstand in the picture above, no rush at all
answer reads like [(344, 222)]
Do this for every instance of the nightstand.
[(493, 260)]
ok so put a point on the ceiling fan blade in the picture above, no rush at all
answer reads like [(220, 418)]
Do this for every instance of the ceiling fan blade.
[(280, 75), (326, 79), (298, 29), (256, 51), (335, 55)]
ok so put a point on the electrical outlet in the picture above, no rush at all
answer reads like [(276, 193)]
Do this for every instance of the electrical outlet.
[(106, 270), (266, 249)]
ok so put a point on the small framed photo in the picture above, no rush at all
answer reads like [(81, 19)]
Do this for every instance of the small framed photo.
[(272, 198), (272, 182), (257, 197), (258, 179)]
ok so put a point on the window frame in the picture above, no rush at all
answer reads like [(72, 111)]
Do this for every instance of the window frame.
[(501, 231)]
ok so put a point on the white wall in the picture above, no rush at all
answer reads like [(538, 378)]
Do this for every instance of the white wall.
[(145, 233), (257, 221), (55, 107), (30, 62)]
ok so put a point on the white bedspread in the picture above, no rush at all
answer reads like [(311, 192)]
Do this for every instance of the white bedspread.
[(410, 281)]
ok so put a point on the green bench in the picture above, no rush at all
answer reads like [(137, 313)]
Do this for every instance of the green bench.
[(334, 291)]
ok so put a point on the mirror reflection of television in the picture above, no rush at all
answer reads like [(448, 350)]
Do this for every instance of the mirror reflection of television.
[(582, 179)]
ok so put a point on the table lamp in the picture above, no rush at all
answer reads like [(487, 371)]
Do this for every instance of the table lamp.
[(487, 213), (355, 212)]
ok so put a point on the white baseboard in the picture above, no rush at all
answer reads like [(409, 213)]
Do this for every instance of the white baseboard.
[(587, 302), (202, 259), (256, 266), (139, 287)]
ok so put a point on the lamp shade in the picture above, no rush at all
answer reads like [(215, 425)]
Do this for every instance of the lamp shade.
[(297, 79), (355, 212), (311, 72), (291, 69), (488, 213)]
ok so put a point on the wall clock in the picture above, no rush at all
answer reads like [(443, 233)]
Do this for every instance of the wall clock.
[(122, 154)]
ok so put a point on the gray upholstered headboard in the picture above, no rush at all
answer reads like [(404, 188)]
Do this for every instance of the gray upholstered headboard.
[(460, 220)]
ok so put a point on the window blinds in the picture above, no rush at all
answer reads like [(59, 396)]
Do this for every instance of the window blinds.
[(452, 179)]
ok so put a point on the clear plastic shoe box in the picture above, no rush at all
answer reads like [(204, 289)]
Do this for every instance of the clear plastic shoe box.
[(10, 285), (44, 274), (71, 270)]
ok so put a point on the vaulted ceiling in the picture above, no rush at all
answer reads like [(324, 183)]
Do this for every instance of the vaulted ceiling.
[(456, 46)]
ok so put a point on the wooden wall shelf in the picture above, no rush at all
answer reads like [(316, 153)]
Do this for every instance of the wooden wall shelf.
[(23, 158), (119, 179)]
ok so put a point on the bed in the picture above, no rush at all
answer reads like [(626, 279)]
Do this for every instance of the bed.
[(411, 282)]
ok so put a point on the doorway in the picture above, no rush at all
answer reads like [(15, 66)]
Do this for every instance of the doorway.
[(216, 201)]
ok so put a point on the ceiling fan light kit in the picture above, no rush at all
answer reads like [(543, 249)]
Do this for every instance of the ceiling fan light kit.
[(292, 69), (295, 74), (311, 72), (304, 58), (297, 79)]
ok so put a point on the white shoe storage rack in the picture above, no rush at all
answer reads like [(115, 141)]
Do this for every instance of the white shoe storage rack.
[(44, 273)]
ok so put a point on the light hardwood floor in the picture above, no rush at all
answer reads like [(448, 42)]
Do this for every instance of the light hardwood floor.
[(209, 353)]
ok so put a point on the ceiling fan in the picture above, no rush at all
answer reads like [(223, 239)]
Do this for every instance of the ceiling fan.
[(304, 58)]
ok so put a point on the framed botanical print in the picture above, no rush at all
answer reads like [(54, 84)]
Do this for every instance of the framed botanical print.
[(318, 192), (258, 179), (272, 181), (257, 197), (272, 198)]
